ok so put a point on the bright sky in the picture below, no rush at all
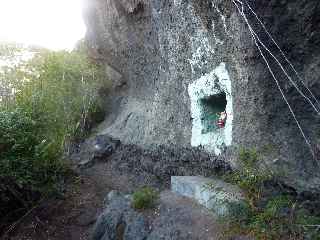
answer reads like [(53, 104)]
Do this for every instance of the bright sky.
[(54, 24)]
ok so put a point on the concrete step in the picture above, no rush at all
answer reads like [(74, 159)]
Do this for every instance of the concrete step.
[(212, 193)]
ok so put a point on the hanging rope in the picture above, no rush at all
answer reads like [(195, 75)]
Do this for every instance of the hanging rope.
[(257, 41), (282, 68), (282, 53)]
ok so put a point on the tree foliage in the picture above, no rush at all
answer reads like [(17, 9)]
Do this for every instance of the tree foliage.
[(53, 96)]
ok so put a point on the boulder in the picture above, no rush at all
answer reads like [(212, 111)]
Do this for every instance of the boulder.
[(120, 221), (94, 148)]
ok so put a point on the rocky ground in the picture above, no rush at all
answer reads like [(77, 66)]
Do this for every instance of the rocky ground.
[(174, 217), (123, 168), (69, 217)]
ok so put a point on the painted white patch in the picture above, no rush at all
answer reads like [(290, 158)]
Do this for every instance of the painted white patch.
[(218, 41), (199, 42), (213, 83), (177, 2), (223, 18), (201, 47)]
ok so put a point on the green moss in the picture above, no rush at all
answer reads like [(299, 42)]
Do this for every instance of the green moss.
[(144, 198)]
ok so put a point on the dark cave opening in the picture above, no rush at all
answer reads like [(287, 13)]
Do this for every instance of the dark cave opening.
[(211, 107)]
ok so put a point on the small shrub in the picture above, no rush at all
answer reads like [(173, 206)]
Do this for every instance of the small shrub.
[(144, 198), (53, 101), (24, 153), (249, 176), (273, 217), (239, 212), (248, 157), (307, 225)]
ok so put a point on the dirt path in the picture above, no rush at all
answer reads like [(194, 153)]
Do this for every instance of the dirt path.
[(69, 218), (73, 216)]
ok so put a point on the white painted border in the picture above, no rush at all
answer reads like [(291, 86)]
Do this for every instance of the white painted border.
[(211, 84)]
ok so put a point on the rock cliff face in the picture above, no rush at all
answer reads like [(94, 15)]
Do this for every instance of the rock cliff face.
[(175, 64)]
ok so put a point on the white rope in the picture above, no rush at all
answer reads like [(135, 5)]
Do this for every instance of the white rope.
[(282, 53), (253, 35), (282, 68)]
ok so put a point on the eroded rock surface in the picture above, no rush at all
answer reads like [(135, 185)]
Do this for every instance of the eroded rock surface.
[(174, 218), (157, 49)]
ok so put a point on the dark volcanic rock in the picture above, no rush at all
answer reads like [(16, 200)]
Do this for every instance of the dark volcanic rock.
[(97, 147), (175, 218), (120, 221), (162, 162), (155, 49)]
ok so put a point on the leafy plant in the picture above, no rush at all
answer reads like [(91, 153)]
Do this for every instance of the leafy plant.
[(24, 153), (273, 217), (55, 98), (144, 198), (249, 176)]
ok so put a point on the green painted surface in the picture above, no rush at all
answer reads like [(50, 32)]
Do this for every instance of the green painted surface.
[(211, 109)]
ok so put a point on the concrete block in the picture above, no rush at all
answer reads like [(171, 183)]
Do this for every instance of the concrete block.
[(212, 193)]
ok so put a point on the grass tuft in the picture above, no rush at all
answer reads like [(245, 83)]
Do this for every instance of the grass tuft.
[(145, 198)]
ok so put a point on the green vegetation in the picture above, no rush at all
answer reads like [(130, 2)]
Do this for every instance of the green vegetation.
[(249, 176), (26, 156), (280, 218), (47, 101), (265, 216), (145, 198)]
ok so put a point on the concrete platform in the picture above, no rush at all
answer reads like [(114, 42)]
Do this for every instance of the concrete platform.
[(212, 193)]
